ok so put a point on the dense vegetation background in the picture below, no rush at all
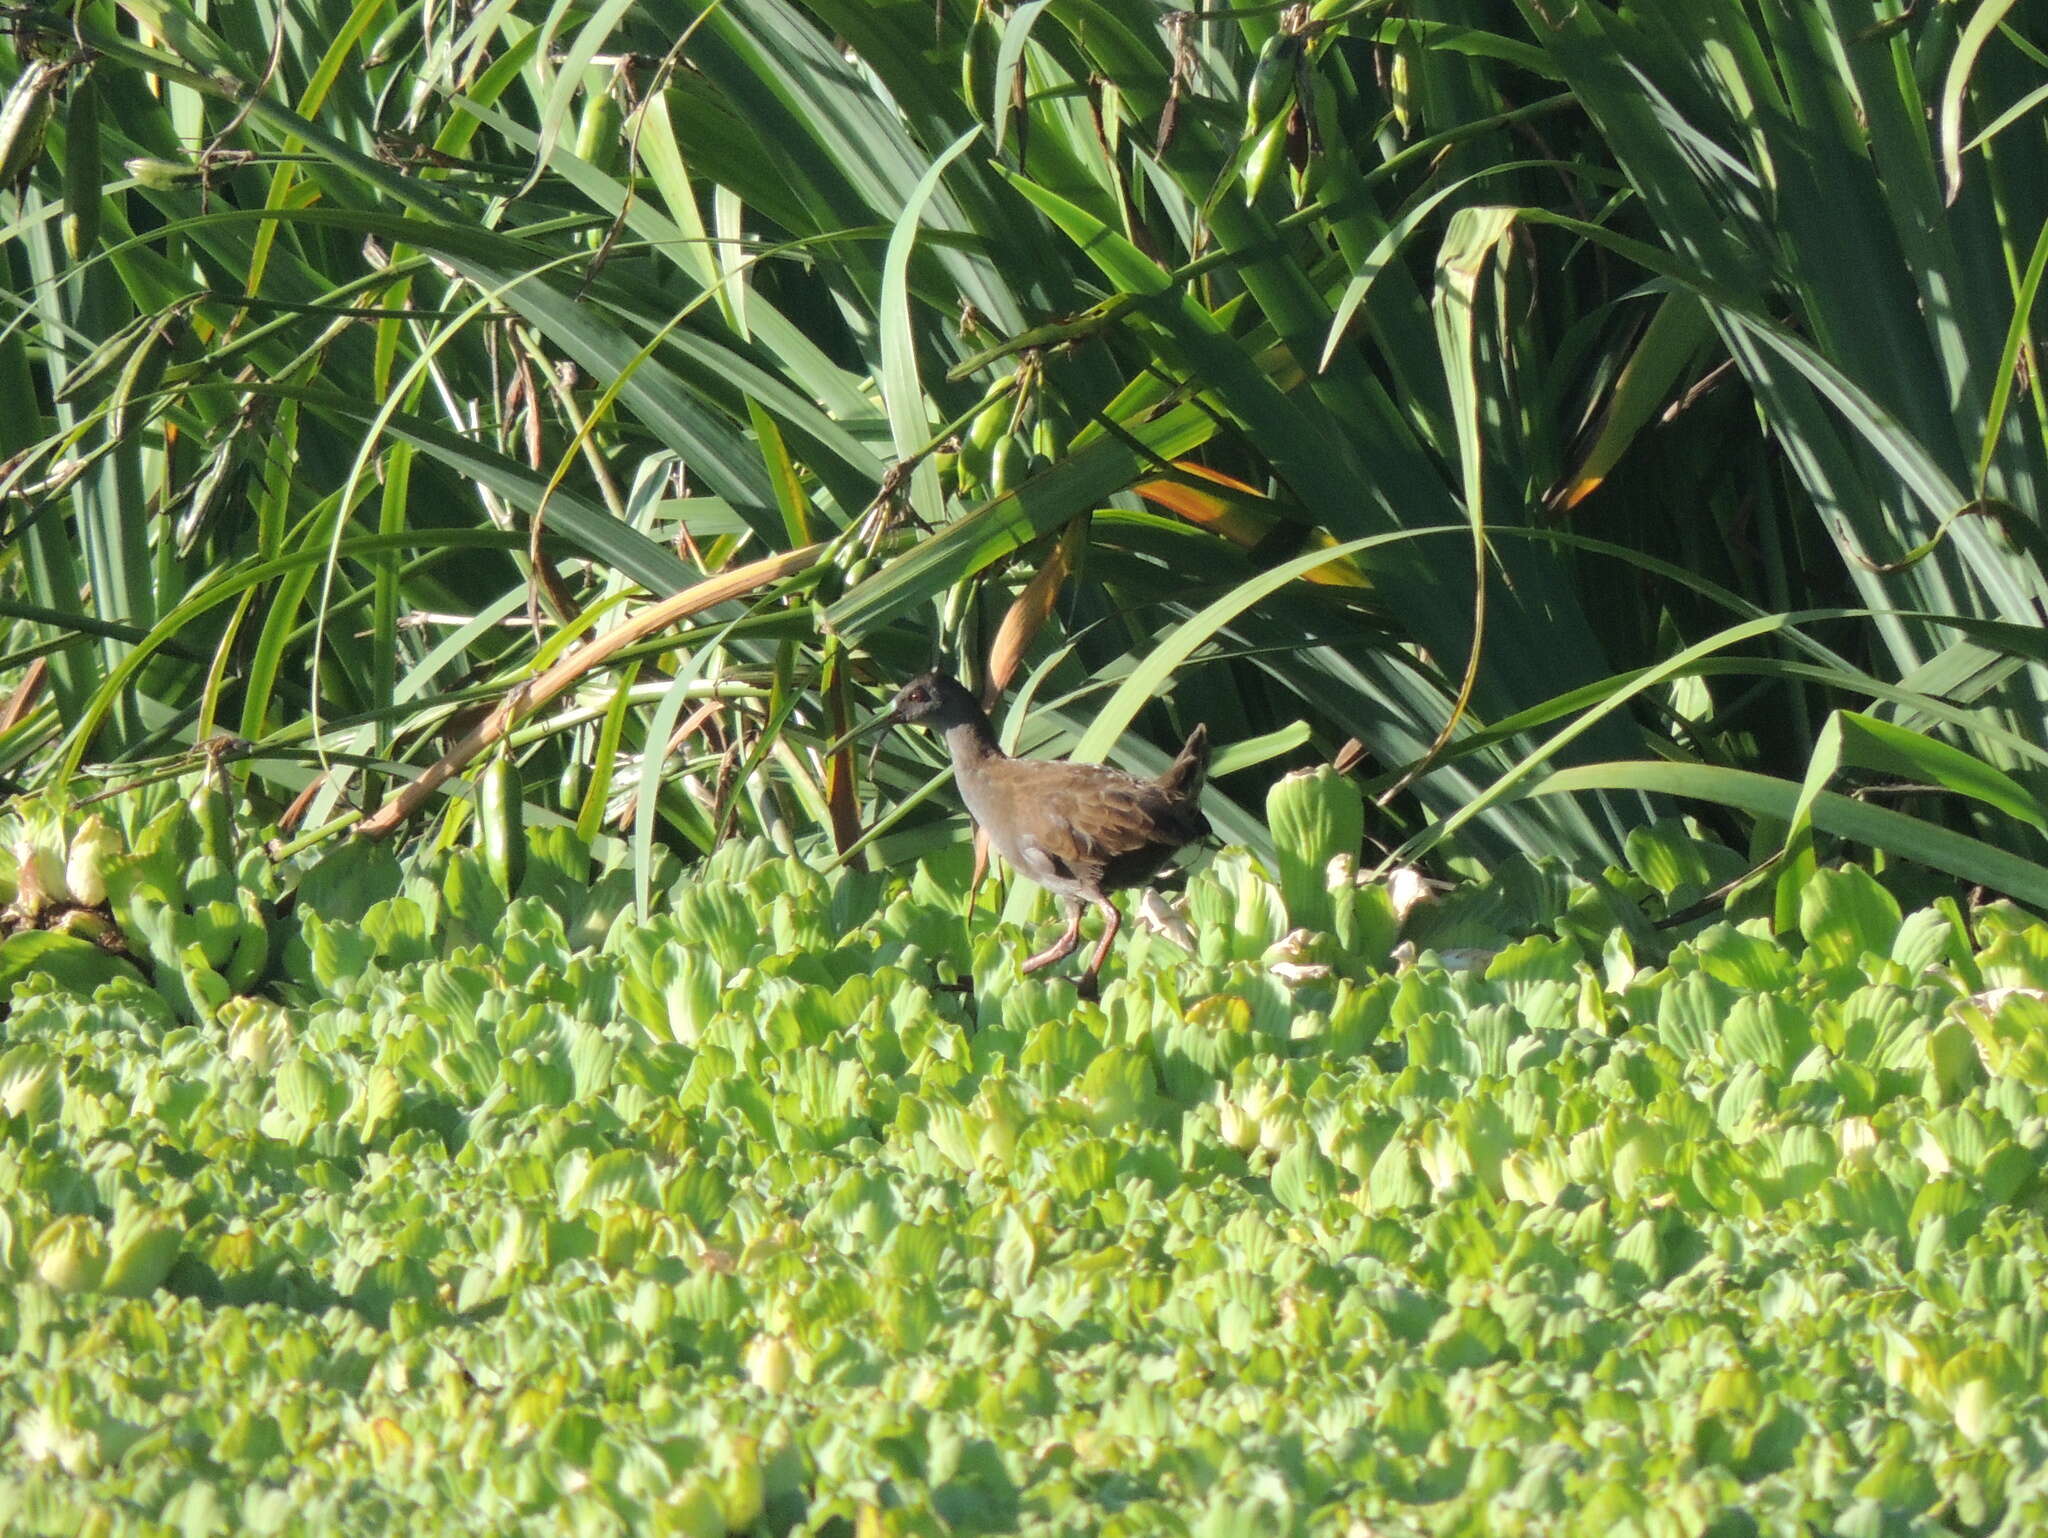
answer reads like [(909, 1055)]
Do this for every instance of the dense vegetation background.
[(1577, 406), (530, 435)]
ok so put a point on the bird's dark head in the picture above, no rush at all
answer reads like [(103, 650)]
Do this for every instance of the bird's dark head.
[(935, 699)]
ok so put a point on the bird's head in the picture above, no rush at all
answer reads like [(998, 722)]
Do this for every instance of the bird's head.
[(935, 699)]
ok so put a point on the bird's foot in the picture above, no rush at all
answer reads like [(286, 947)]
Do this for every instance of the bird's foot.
[(1059, 950)]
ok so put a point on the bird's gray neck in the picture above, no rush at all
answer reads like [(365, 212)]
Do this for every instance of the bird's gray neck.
[(972, 741)]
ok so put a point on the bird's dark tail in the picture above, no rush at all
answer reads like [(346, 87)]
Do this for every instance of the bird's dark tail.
[(1186, 775)]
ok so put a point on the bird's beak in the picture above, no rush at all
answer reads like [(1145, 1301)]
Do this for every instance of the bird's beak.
[(875, 722)]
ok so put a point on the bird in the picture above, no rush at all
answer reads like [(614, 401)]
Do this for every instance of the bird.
[(1081, 831)]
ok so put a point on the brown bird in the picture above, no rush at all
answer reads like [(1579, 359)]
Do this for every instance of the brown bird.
[(1081, 831)]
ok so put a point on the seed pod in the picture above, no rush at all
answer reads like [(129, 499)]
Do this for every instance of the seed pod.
[(989, 422), (1272, 80), (861, 561), (1314, 815), (1400, 92), (25, 118), (163, 175), (977, 452), (141, 373), (81, 222), (500, 815), (1011, 464), (206, 496), (1265, 157), (598, 137)]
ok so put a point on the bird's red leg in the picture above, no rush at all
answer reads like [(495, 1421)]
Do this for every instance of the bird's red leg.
[(1063, 946), (1109, 929)]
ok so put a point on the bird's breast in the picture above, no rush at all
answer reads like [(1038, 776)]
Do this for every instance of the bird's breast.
[(980, 797)]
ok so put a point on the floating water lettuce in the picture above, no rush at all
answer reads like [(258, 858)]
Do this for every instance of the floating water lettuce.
[(740, 1218)]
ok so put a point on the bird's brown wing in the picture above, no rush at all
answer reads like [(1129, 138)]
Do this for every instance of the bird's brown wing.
[(1108, 828)]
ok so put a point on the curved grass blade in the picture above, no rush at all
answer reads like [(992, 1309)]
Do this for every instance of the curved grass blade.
[(1763, 795), (902, 392)]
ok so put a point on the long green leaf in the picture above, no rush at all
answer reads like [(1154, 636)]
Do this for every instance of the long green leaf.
[(1965, 858)]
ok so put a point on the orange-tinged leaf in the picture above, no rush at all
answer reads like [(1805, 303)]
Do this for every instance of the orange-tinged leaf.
[(1675, 336), (1245, 527), (1226, 515), (1031, 608)]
